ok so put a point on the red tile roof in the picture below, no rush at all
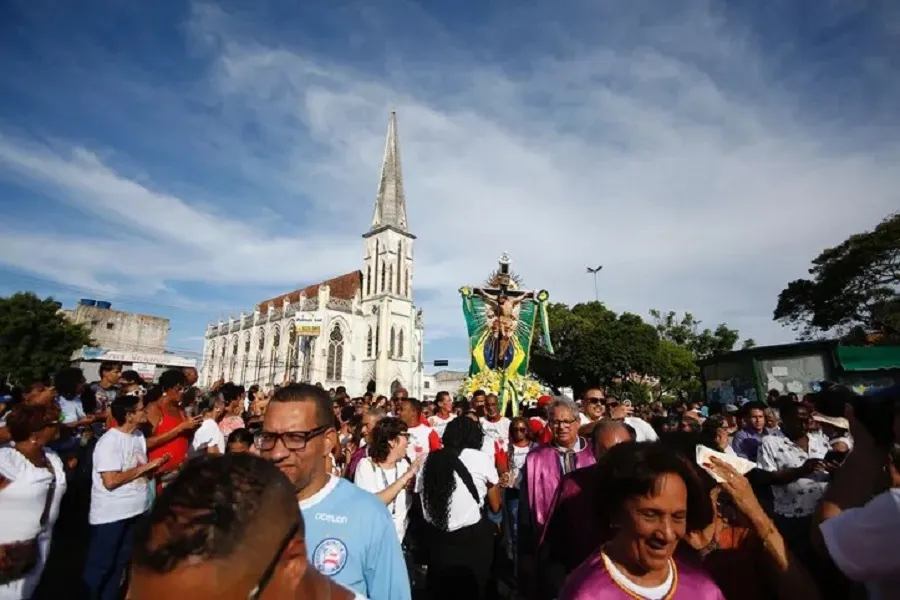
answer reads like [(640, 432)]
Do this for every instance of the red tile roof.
[(344, 287)]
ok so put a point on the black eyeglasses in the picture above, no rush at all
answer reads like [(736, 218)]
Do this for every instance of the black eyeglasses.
[(292, 440), (594, 400), (266, 577)]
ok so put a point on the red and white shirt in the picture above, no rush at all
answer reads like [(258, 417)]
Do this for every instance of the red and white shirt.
[(497, 431), (422, 440), (439, 424)]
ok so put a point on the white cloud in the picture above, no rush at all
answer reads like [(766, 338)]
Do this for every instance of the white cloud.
[(695, 191)]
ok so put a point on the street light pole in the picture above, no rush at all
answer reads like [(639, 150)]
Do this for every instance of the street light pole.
[(593, 271)]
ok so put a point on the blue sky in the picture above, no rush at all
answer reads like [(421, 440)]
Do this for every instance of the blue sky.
[(189, 159)]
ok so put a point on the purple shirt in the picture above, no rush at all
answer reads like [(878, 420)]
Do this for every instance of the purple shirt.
[(746, 443)]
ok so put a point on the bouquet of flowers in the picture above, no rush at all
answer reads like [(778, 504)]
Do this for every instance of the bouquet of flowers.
[(521, 388)]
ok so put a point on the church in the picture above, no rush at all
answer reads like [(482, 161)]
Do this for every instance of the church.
[(358, 330)]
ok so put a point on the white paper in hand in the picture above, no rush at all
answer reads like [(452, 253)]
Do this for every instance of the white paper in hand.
[(741, 465)]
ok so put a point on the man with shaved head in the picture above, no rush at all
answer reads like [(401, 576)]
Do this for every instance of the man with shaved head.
[(227, 527), (559, 552)]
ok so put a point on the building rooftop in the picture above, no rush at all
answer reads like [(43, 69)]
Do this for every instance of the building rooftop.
[(344, 287)]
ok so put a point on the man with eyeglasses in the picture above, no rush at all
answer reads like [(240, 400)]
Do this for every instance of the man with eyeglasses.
[(544, 468), (227, 528), (350, 534)]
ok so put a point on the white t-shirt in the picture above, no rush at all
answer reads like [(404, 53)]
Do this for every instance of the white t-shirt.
[(207, 436), (464, 511), (117, 451), (862, 542), (498, 431), (643, 430), (639, 591), (72, 410), (582, 419), (517, 462), (374, 478), (439, 424)]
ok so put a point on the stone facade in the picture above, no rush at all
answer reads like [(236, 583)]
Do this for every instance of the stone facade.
[(119, 330), (367, 331)]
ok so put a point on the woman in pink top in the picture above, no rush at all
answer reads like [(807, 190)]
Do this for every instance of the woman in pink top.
[(650, 500)]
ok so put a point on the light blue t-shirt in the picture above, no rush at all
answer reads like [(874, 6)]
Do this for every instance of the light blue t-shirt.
[(350, 538)]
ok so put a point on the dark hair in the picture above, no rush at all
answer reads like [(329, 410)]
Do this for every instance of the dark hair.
[(131, 376), (240, 436), (123, 405), (384, 432), (347, 413), (303, 392), (414, 404), (210, 508), (25, 419), (479, 393), (630, 470), (67, 381), (441, 395), (171, 378), (752, 405), (230, 392), (107, 366), (441, 465)]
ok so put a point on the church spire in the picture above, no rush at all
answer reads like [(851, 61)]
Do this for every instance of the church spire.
[(390, 203)]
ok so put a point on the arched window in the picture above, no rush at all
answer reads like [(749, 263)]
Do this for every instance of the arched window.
[(368, 281), (406, 289), (377, 339), (261, 346), (369, 343), (246, 357), (399, 265), (335, 358), (391, 345), (383, 274), (400, 344), (391, 279), (273, 360), (232, 372)]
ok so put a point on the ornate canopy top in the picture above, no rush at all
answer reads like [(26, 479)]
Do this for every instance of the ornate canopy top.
[(503, 277)]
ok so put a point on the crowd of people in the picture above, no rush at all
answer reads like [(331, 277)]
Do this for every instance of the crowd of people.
[(120, 488)]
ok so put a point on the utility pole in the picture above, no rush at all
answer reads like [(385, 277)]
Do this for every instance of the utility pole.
[(593, 271)]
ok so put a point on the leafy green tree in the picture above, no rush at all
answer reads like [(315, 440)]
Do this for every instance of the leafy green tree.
[(677, 370), (854, 288), (594, 346), (686, 332), (36, 340)]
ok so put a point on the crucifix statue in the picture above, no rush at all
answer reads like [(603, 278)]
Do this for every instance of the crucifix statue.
[(502, 307)]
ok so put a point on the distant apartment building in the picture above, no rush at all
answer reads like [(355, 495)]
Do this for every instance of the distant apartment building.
[(137, 341)]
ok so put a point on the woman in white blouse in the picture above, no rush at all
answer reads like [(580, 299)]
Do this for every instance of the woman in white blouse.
[(386, 472), (32, 483), (455, 482)]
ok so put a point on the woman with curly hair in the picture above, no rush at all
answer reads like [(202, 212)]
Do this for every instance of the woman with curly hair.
[(386, 472), (454, 485), (32, 484)]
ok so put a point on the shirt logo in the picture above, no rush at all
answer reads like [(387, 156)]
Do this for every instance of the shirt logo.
[(330, 556), (336, 519)]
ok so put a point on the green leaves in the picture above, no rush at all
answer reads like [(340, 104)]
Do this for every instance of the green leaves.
[(36, 340), (854, 288)]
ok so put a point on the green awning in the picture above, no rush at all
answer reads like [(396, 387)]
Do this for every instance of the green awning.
[(868, 358)]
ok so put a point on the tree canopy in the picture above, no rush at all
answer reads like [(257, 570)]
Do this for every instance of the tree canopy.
[(596, 347), (36, 340), (854, 288)]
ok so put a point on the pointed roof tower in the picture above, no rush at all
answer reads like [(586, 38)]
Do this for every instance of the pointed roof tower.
[(390, 202)]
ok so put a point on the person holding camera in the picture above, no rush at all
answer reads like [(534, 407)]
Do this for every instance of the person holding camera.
[(857, 525)]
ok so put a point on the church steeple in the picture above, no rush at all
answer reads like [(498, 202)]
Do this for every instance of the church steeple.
[(390, 203)]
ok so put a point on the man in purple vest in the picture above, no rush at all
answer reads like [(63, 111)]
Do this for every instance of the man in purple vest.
[(573, 530), (544, 468)]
